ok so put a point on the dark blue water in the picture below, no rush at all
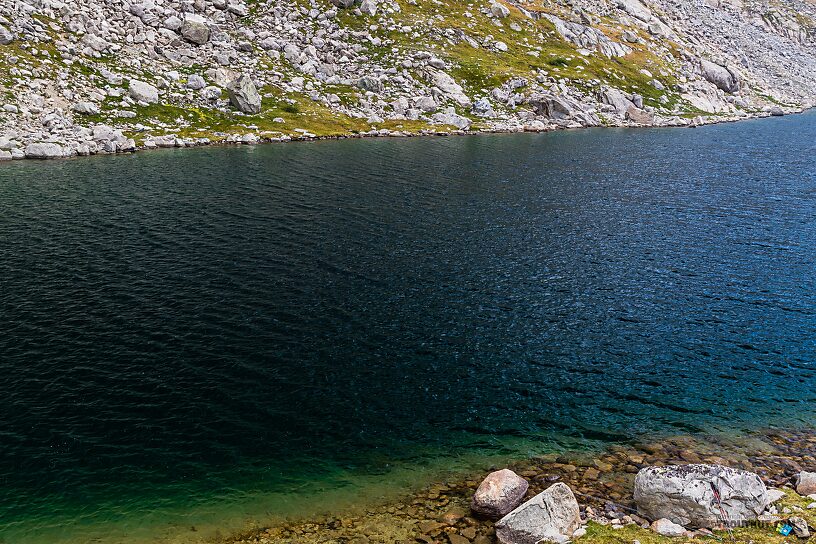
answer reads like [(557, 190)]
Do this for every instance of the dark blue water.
[(186, 328)]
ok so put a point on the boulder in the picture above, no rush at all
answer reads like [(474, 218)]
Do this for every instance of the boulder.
[(776, 111), (499, 493), (344, 4), (86, 108), (666, 527), (686, 494), (775, 495), (195, 82), (369, 7), (497, 9), (195, 29), (244, 96), (43, 150), (724, 78), (370, 83), (6, 36), (173, 23), (95, 43), (639, 116), (143, 92), (550, 516), (483, 108), (800, 527), (445, 83), (450, 117), (551, 106), (806, 483), (615, 98)]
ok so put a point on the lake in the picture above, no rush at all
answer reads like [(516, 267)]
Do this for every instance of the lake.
[(214, 335)]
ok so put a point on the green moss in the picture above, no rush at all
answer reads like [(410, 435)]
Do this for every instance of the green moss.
[(297, 113)]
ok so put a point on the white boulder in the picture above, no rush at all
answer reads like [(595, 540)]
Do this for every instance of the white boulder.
[(143, 92), (666, 527), (497, 9), (43, 150), (550, 516), (688, 494)]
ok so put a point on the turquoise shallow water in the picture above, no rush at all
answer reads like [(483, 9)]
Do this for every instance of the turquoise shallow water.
[(220, 336)]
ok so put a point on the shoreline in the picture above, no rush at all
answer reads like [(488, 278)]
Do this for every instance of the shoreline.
[(173, 142), (602, 483)]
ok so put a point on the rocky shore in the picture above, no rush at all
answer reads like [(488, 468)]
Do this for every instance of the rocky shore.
[(676, 490), (98, 77)]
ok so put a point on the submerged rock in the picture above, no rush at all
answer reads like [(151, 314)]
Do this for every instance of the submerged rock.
[(550, 516), (499, 493), (685, 494)]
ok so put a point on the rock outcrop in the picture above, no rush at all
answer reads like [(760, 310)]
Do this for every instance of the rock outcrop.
[(699, 496)]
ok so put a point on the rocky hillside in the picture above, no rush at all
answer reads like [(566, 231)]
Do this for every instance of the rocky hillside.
[(103, 76)]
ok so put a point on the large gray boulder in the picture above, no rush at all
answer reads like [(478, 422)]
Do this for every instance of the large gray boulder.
[(44, 150), (143, 92), (244, 95), (368, 7), (722, 77), (499, 493), (448, 86), (615, 98), (497, 9), (686, 494), (195, 29), (6, 36), (370, 83), (550, 516), (450, 117), (551, 106)]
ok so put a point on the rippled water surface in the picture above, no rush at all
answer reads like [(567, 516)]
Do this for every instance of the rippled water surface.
[(205, 330)]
